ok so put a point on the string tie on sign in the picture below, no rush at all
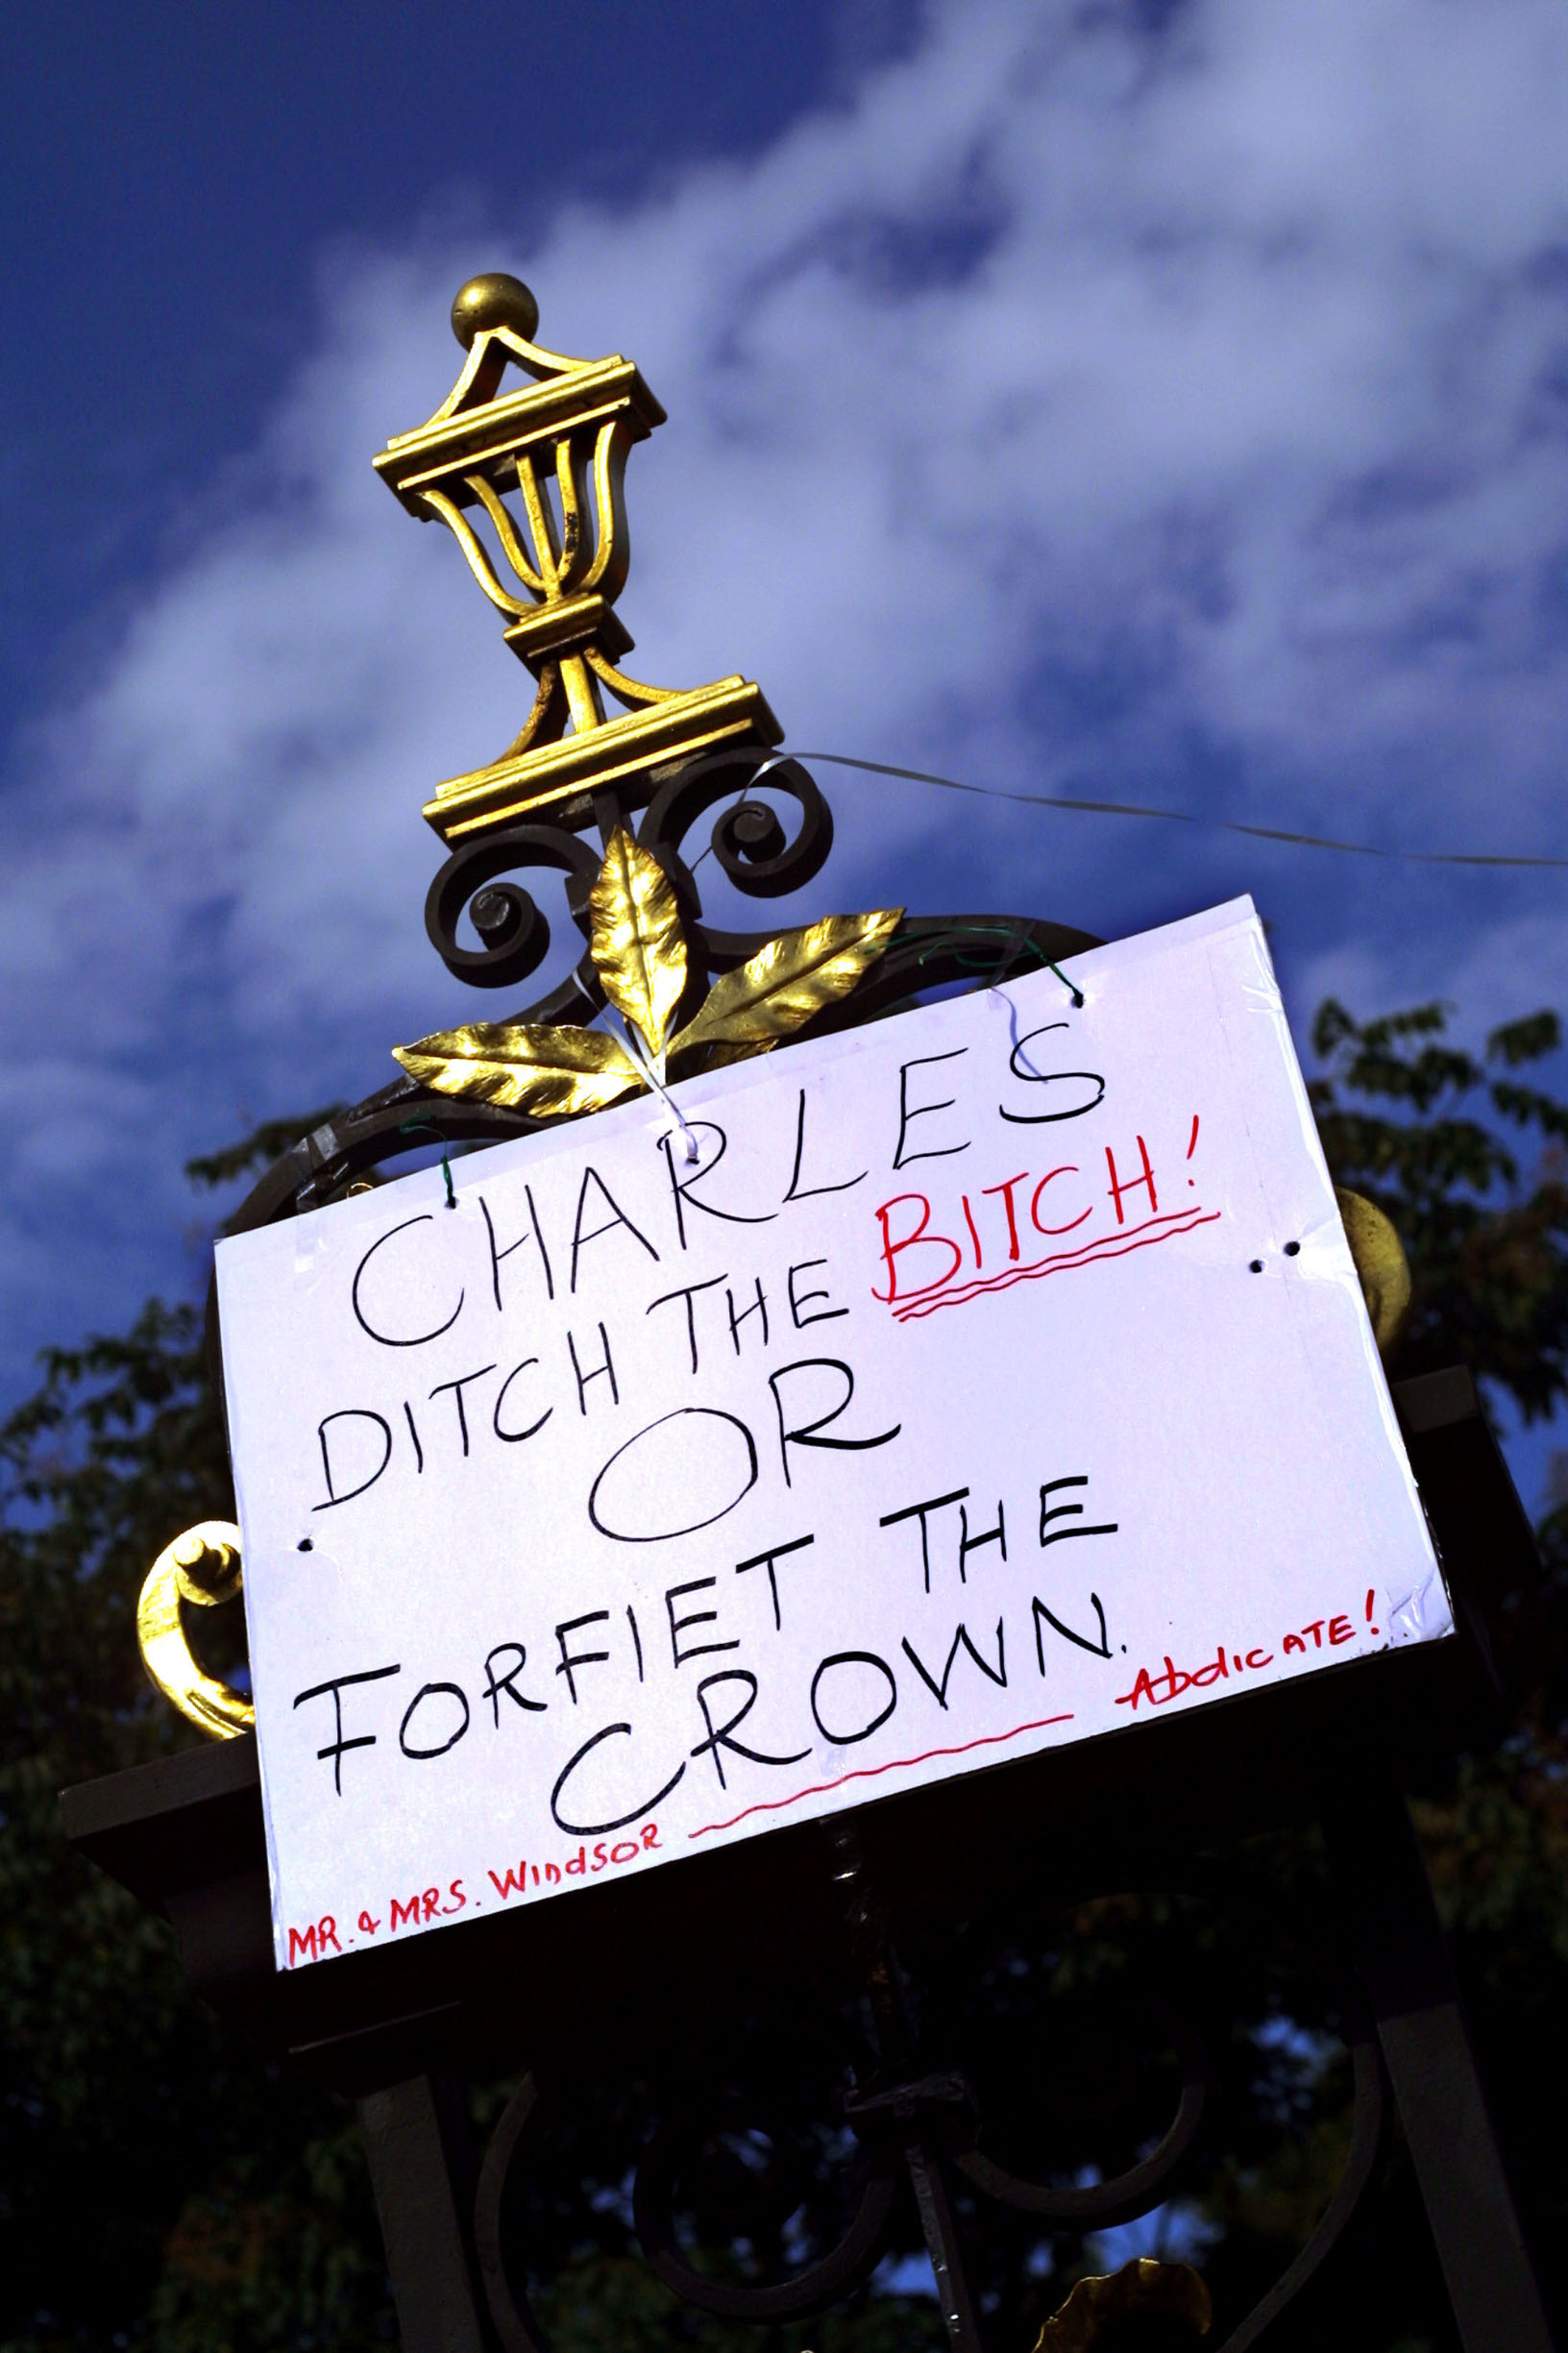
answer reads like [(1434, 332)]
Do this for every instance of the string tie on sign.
[(412, 1127), (645, 1062)]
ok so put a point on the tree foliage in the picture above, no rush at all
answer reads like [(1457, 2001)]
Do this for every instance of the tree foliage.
[(1434, 1137), (161, 2186), (158, 2183)]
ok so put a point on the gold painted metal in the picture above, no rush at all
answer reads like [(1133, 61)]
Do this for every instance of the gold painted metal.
[(558, 448), (497, 299), (527, 782), (1140, 2289), (203, 1567), (1381, 1262), (640, 952), (636, 943), (787, 981), (551, 1072)]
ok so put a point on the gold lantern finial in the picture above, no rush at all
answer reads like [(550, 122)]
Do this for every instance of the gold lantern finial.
[(557, 446)]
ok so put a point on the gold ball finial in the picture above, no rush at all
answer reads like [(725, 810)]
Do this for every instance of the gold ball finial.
[(497, 299), (1379, 1257)]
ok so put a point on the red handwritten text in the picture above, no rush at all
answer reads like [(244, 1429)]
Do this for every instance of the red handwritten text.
[(422, 1907), (1169, 1682), (926, 1265)]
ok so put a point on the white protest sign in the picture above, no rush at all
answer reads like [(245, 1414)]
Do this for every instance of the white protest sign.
[(999, 1378)]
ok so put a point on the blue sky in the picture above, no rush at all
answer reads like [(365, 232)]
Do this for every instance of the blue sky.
[(1163, 401)]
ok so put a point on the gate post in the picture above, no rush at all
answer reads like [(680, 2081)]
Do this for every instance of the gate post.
[(416, 2139), (1404, 1960)]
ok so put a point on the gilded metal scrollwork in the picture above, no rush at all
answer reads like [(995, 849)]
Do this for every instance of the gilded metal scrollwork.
[(202, 1567), (559, 447), (637, 943), (523, 462)]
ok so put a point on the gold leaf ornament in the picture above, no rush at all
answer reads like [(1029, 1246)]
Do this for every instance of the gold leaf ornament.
[(1142, 2292), (636, 940), (779, 988), (640, 953), (523, 1067)]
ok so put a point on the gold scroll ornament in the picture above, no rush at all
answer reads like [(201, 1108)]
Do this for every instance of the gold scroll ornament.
[(201, 1567), (639, 951)]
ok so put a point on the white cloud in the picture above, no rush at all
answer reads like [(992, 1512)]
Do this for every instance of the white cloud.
[(1173, 399)]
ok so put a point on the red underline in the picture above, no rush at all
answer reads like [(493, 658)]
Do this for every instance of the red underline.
[(869, 1772), (1113, 1246)]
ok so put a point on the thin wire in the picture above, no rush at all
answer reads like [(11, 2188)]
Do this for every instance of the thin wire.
[(1170, 817), (938, 944), (411, 1127), (645, 1062)]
